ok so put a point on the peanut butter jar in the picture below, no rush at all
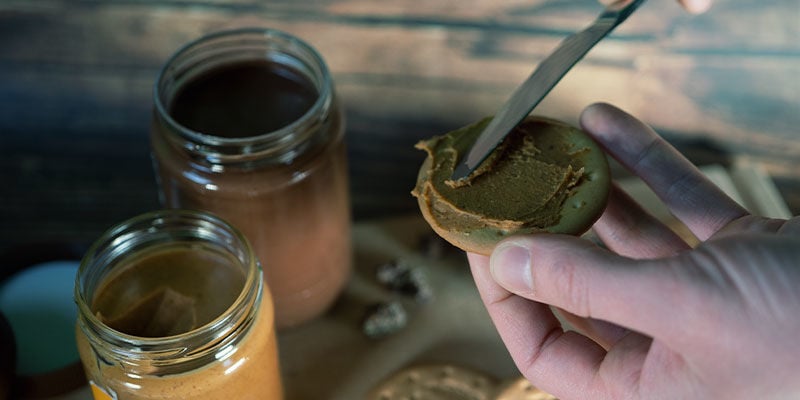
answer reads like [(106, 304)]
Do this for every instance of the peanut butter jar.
[(247, 126), (172, 305)]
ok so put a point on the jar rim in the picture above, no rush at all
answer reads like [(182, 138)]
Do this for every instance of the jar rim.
[(249, 144), (185, 344)]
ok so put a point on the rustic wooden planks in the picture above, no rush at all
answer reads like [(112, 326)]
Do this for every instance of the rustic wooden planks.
[(75, 82)]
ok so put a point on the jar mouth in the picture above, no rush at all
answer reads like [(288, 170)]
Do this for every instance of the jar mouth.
[(236, 45), (145, 230)]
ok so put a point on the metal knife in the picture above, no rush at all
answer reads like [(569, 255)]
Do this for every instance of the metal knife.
[(541, 81)]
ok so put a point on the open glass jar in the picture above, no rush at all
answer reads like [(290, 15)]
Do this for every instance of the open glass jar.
[(247, 126), (172, 305)]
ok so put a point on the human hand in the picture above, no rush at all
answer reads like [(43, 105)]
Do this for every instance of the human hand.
[(696, 6), (693, 6), (656, 319)]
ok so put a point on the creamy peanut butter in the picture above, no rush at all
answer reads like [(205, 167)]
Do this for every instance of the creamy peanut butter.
[(168, 291), (172, 290), (546, 176), (524, 183), (255, 377)]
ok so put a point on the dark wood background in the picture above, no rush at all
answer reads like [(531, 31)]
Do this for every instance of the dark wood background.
[(76, 80)]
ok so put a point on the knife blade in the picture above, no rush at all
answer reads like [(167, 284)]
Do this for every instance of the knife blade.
[(546, 75)]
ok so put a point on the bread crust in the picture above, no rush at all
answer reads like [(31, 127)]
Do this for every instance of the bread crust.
[(580, 209)]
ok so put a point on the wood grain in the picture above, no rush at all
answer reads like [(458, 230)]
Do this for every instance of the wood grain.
[(76, 79)]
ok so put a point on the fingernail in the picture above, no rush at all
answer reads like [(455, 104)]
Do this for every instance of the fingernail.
[(510, 265)]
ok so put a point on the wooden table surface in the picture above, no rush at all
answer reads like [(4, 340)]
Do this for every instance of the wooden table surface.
[(76, 84)]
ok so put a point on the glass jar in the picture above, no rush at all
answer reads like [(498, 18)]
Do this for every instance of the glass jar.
[(247, 126), (172, 305)]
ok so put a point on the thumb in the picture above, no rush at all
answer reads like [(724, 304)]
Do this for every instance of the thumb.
[(585, 280)]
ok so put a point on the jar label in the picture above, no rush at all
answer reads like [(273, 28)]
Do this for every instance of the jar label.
[(99, 393)]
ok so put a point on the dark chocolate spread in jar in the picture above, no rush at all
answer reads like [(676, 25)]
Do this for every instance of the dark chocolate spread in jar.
[(247, 126)]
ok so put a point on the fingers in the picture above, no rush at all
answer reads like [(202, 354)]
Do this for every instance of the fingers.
[(757, 224), (689, 195), (630, 231), (692, 6), (790, 227), (627, 229), (696, 6), (603, 333), (542, 351), (574, 275)]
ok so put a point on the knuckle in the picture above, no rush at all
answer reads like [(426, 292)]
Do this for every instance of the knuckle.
[(572, 288)]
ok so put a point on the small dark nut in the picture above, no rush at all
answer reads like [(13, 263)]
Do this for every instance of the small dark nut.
[(384, 319), (405, 279)]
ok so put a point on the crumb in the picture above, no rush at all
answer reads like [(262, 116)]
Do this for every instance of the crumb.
[(405, 279), (384, 319)]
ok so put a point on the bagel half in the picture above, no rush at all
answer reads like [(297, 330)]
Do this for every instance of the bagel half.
[(546, 176)]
